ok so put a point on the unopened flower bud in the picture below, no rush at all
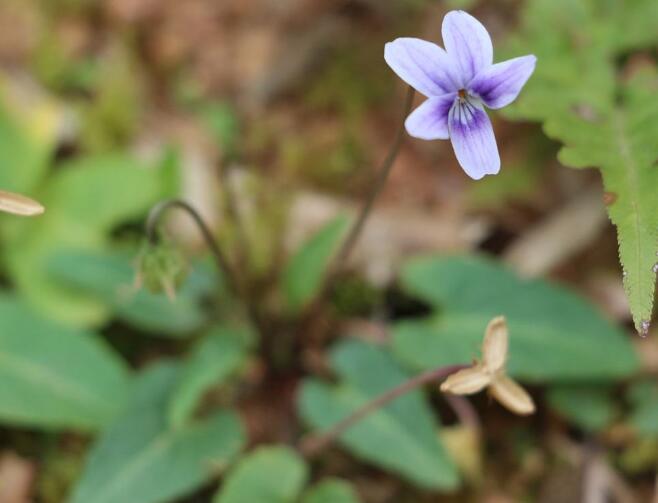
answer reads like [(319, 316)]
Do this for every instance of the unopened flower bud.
[(161, 267)]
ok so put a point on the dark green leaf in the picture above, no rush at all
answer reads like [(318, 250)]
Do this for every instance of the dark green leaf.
[(55, 377), (331, 491), (644, 414), (139, 459), (85, 200), (554, 334), (305, 270), (110, 278), (401, 437), (213, 360), (589, 407), (267, 475)]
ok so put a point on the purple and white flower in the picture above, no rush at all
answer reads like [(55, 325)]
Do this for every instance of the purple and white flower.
[(458, 82)]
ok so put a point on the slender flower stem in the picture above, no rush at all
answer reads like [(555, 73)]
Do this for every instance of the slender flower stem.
[(375, 190), (345, 250), (224, 265), (313, 444)]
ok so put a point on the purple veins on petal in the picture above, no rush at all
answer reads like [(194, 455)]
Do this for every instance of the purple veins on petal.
[(430, 120), (500, 84), (468, 44), (459, 81), (472, 138)]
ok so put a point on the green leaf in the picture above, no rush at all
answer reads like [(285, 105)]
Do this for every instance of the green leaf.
[(401, 437), (331, 491), (304, 272), (221, 353), (139, 459), (85, 200), (266, 475), (55, 377), (110, 279), (603, 119), (572, 43), (621, 142), (643, 396), (587, 406), (27, 140), (554, 334)]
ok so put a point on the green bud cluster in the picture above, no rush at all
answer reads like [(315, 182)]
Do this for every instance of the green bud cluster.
[(161, 267)]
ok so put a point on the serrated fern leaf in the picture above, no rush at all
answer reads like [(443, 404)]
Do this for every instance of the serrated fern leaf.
[(604, 120), (623, 144)]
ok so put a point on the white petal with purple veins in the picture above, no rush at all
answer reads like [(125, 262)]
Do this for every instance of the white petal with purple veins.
[(472, 137), (500, 84), (423, 65), (430, 120), (468, 44)]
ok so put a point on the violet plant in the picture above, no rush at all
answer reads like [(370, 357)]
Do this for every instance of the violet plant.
[(459, 82), (366, 397)]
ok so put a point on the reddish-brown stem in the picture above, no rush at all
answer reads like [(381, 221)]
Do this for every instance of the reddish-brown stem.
[(313, 444)]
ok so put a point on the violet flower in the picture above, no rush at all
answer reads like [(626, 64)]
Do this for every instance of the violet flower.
[(458, 82)]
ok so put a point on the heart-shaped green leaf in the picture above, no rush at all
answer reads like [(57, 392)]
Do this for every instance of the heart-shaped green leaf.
[(331, 491), (401, 437), (55, 377), (140, 459), (554, 334), (221, 352), (110, 278), (266, 475)]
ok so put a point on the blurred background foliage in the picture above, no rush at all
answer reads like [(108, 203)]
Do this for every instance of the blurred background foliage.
[(131, 374)]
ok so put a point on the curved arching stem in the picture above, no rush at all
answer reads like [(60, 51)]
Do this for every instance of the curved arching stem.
[(153, 221), (313, 444)]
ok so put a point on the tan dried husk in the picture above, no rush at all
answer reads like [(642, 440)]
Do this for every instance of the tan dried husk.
[(18, 204), (491, 373)]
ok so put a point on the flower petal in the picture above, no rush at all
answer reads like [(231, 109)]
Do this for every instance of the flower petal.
[(430, 120), (500, 84), (510, 394), (423, 65), (466, 381), (495, 346), (472, 137), (468, 44)]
